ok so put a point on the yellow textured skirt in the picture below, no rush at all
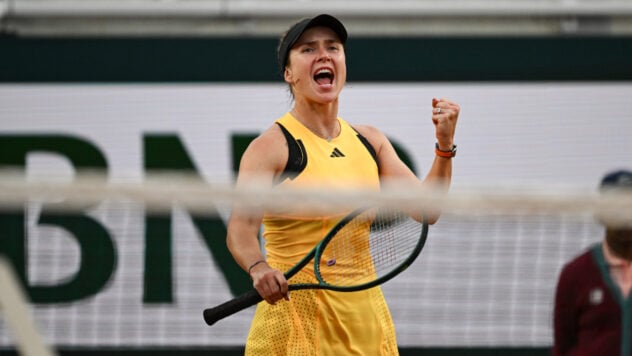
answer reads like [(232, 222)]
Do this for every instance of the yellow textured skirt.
[(323, 323)]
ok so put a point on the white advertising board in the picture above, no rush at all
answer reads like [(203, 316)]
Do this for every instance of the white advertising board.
[(473, 285)]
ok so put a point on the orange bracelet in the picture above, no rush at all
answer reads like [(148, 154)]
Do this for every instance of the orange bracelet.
[(445, 154)]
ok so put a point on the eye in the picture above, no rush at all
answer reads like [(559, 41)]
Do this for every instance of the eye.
[(307, 50)]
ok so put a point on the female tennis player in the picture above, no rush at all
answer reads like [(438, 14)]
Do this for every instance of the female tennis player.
[(310, 146)]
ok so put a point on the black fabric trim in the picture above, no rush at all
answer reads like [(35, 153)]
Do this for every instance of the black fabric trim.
[(296, 158), (368, 146)]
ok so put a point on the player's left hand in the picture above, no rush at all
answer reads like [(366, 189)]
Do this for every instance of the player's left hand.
[(445, 114)]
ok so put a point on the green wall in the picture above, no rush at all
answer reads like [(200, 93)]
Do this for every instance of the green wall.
[(369, 59)]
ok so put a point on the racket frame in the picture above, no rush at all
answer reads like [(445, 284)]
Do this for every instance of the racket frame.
[(252, 297)]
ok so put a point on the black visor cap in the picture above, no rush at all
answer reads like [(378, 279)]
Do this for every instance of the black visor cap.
[(293, 34)]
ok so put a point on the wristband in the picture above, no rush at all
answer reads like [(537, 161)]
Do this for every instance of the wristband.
[(445, 154), (254, 264)]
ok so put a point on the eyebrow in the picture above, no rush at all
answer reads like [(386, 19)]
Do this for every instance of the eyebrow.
[(328, 41)]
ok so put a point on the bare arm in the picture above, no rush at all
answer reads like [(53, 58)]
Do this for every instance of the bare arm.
[(262, 162), (445, 114), (440, 174)]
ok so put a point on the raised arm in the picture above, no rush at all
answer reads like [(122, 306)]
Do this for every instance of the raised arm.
[(440, 174), (445, 114)]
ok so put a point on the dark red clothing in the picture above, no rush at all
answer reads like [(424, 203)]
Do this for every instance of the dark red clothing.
[(591, 317)]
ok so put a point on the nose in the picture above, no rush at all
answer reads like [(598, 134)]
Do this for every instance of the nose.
[(324, 55)]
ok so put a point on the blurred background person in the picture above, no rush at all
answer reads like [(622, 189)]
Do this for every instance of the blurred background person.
[(592, 303)]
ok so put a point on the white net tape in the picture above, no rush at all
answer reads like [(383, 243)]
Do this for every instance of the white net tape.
[(164, 190)]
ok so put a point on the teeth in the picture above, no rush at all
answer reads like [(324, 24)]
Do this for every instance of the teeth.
[(324, 71)]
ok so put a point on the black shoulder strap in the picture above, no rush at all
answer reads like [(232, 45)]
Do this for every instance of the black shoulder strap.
[(368, 146), (296, 158)]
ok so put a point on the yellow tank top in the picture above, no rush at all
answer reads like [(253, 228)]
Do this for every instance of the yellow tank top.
[(343, 162), (319, 322)]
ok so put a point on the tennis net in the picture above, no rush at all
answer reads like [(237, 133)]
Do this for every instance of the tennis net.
[(133, 263)]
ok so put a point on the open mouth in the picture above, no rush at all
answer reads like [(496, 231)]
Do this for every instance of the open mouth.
[(324, 77)]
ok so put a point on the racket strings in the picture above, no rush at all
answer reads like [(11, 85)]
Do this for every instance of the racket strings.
[(370, 246), (393, 242)]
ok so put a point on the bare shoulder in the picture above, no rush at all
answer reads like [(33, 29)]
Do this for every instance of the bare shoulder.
[(272, 137), (266, 153), (375, 137), (390, 163)]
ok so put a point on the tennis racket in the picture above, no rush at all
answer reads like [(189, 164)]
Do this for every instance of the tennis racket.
[(366, 248)]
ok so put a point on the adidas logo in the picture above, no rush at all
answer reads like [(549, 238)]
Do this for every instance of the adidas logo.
[(336, 153)]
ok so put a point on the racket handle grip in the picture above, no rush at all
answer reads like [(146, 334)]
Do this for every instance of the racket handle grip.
[(212, 315)]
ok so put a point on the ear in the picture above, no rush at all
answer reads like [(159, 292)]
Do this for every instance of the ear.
[(287, 75)]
